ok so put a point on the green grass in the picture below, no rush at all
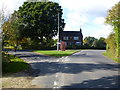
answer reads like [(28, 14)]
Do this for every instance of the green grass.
[(56, 53), (111, 56), (11, 64)]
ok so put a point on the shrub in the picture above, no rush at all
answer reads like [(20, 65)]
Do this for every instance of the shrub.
[(111, 45), (12, 64)]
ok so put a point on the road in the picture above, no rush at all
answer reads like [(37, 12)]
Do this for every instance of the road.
[(85, 69)]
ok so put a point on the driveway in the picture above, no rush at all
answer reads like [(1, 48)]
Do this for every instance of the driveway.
[(85, 69)]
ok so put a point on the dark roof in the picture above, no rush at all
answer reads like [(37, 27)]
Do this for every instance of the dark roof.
[(71, 33)]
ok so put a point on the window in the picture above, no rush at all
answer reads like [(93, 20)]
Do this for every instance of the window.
[(78, 43), (65, 38), (76, 38)]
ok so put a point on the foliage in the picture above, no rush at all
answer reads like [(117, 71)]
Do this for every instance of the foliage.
[(11, 64), (88, 41), (111, 44), (10, 33), (33, 25), (49, 42), (4, 34), (33, 44), (92, 42), (57, 53), (100, 43), (38, 20), (113, 19)]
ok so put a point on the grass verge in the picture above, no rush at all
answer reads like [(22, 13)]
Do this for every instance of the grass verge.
[(56, 53), (111, 56), (11, 64)]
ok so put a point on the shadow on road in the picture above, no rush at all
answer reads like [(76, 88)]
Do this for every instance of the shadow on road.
[(48, 68), (104, 82), (30, 55), (72, 68)]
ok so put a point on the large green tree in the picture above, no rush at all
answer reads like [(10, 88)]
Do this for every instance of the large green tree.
[(113, 19), (38, 20)]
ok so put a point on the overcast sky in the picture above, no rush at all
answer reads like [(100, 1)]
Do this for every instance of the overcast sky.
[(89, 15)]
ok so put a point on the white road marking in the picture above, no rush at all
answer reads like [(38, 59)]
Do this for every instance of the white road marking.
[(66, 60), (55, 88), (58, 60), (56, 76), (55, 83)]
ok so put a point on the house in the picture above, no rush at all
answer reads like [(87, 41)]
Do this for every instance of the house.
[(72, 37)]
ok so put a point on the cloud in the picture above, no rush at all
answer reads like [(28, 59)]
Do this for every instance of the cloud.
[(99, 20), (77, 18), (103, 31), (74, 21), (88, 6), (89, 14)]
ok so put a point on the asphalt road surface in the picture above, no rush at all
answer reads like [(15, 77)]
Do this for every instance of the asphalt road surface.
[(85, 69)]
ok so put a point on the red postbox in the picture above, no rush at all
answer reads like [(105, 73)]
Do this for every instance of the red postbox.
[(63, 46)]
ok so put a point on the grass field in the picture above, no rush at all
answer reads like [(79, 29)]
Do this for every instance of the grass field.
[(112, 57), (11, 64), (56, 53)]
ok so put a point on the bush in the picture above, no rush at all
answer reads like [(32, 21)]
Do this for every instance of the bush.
[(11, 64), (111, 45)]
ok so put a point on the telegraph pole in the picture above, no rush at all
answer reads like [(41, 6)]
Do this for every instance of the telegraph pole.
[(58, 34)]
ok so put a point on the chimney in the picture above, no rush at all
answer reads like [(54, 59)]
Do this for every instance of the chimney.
[(80, 30)]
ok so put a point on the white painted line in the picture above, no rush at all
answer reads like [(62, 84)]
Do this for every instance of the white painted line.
[(56, 76), (66, 60), (55, 83), (58, 60), (55, 88)]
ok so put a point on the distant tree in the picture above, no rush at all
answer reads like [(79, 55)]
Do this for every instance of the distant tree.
[(38, 20), (99, 43), (102, 42), (113, 19), (88, 41)]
